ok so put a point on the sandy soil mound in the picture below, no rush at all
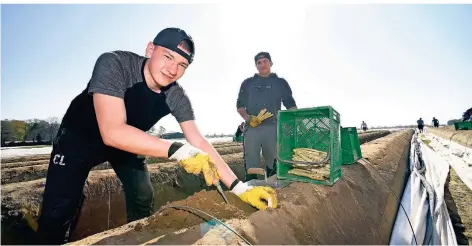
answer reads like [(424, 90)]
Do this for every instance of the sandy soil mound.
[(359, 209), (209, 201), (463, 137), (170, 183), (458, 198)]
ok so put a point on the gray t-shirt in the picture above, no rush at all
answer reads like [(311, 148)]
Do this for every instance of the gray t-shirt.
[(257, 93), (120, 74)]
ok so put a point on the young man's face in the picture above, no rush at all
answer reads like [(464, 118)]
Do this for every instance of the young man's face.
[(263, 66), (165, 66)]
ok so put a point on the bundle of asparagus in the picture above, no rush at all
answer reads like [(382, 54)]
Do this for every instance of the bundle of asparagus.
[(318, 171)]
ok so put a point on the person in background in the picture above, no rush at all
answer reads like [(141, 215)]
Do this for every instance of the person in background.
[(420, 123), (259, 99), (364, 126), (467, 116), (435, 122), (240, 130), (239, 133)]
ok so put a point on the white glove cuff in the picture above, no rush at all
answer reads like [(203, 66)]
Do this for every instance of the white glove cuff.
[(185, 152), (241, 188)]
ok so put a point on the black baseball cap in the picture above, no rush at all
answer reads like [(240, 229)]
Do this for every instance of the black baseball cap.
[(262, 55), (171, 37)]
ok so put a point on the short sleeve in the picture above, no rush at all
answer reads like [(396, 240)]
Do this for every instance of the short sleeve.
[(107, 77), (179, 104)]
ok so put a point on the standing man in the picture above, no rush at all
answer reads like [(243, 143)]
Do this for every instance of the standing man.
[(263, 91), (364, 126), (420, 124), (435, 122), (127, 94)]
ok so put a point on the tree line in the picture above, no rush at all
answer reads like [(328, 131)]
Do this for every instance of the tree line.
[(451, 122), (41, 131), (29, 131)]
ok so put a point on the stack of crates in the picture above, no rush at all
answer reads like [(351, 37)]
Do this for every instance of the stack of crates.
[(315, 128)]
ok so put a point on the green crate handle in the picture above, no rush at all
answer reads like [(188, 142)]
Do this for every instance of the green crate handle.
[(306, 162)]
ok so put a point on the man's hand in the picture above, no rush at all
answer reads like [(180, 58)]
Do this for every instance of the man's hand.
[(260, 197), (196, 161), (255, 121)]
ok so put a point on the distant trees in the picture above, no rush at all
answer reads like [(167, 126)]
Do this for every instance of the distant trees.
[(157, 132), (35, 131), (451, 122), (161, 131), (32, 130)]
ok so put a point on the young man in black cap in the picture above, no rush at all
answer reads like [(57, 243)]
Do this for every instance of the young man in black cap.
[(264, 90), (126, 95)]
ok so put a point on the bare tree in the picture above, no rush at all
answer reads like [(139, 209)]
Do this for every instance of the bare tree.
[(161, 131), (53, 126), (152, 130)]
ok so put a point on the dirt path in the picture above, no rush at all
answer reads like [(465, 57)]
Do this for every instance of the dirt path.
[(459, 201), (25, 158)]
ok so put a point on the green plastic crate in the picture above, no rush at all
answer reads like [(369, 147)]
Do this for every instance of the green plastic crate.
[(238, 139), (466, 125), (350, 146), (315, 128)]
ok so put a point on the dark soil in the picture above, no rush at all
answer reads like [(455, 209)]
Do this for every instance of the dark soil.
[(210, 202)]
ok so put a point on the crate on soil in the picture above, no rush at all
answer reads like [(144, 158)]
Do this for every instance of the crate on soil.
[(350, 146), (313, 133), (466, 125)]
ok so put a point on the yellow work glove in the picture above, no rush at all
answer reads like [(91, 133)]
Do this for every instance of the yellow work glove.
[(255, 121), (195, 161), (260, 197)]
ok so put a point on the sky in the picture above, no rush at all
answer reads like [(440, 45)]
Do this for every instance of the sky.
[(384, 64)]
